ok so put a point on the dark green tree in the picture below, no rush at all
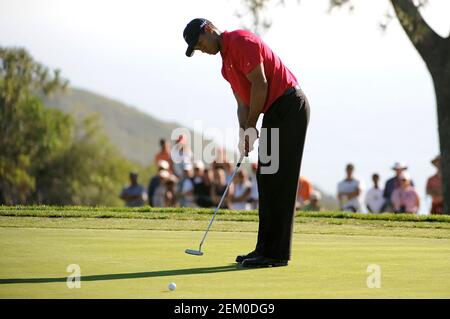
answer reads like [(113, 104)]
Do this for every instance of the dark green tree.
[(29, 133), (434, 50), (46, 157), (90, 171)]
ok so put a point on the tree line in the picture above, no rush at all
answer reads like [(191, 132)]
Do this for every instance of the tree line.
[(46, 156)]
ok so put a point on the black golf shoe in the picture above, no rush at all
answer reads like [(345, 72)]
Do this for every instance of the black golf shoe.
[(261, 262), (241, 258)]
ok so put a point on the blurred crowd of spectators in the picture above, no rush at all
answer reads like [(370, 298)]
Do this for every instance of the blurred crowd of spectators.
[(399, 194), (182, 182)]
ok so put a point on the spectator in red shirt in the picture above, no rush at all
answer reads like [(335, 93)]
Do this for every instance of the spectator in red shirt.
[(164, 153), (262, 84), (434, 188), (304, 192)]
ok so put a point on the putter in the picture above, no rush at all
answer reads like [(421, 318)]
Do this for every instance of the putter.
[(199, 251)]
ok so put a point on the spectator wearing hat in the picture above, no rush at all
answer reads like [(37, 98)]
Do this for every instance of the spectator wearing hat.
[(349, 191), (159, 194), (405, 199), (374, 197), (186, 187), (434, 188), (304, 191), (164, 153), (135, 194), (202, 185), (155, 180), (392, 184), (314, 203)]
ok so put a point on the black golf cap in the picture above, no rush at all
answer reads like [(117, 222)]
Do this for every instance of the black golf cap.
[(192, 32)]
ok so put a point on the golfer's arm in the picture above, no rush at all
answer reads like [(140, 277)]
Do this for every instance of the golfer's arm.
[(242, 111), (258, 94)]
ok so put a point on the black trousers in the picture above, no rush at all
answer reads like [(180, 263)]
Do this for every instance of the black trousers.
[(278, 190)]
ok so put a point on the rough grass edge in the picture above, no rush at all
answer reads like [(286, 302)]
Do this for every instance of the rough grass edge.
[(146, 211)]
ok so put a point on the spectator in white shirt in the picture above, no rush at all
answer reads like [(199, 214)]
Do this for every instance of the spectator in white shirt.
[(181, 154), (349, 191), (374, 196), (241, 191)]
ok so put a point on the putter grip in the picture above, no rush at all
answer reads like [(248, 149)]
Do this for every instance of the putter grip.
[(240, 161)]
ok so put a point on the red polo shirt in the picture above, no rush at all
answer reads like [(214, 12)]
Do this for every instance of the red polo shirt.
[(242, 51)]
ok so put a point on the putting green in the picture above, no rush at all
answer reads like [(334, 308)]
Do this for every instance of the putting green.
[(130, 263)]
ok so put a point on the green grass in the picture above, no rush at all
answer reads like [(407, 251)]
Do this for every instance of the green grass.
[(136, 253), (187, 213)]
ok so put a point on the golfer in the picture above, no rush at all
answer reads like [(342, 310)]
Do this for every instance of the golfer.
[(262, 84)]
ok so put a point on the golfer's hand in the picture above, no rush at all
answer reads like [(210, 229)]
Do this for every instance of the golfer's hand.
[(241, 144), (247, 140)]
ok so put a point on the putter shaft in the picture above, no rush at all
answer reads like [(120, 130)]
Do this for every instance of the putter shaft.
[(221, 200)]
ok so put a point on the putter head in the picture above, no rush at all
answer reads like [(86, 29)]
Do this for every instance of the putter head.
[(193, 252)]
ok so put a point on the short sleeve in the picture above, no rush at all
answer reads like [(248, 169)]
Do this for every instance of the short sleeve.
[(249, 54)]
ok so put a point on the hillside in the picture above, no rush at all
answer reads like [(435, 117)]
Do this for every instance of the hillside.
[(135, 133)]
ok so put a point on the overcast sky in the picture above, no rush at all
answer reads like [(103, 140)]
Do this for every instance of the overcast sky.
[(372, 99)]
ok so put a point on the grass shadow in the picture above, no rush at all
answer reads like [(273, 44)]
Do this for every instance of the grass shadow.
[(148, 274)]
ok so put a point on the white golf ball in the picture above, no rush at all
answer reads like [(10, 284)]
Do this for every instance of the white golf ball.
[(172, 286)]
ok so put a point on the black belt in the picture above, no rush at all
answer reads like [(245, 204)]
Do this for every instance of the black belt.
[(292, 90)]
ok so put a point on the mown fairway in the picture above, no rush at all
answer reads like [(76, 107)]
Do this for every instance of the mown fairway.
[(137, 253)]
